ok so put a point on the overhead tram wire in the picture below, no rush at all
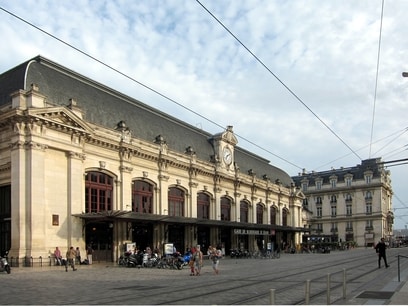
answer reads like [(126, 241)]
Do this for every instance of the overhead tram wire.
[(400, 132), (376, 77), (392, 140), (141, 84), (279, 80)]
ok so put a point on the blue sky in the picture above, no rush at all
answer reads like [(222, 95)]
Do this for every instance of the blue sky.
[(324, 51)]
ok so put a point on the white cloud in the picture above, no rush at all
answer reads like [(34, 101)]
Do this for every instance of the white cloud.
[(325, 51)]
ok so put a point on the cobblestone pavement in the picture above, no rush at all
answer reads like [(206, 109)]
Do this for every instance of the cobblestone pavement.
[(106, 283)]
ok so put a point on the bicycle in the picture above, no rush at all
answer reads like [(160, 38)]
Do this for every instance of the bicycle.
[(275, 254)]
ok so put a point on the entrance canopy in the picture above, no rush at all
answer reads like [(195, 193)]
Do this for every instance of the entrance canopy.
[(129, 216)]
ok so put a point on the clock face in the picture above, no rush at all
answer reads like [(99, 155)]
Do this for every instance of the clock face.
[(227, 156)]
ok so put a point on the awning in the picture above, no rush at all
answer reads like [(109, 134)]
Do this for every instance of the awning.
[(129, 216)]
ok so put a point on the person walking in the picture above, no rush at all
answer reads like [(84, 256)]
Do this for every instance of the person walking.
[(191, 262), (198, 260), (89, 252), (215, 255), (71, 253), (380, 249), (78, 255), (58, 257)]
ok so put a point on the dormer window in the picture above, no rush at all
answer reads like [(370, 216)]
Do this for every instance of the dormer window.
[(368, 179), (368, 176), (333, 181), (318, 185)]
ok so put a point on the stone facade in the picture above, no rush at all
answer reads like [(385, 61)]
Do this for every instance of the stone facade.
[(81, 164), (351, 205)]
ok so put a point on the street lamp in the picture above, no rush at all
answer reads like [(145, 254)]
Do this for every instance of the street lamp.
[(405, 74)]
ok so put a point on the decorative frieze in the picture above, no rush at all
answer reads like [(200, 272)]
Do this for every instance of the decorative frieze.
[(126, 169), (5, 167), (76, 155)]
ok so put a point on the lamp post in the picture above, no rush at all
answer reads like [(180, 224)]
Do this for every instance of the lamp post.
[(405, 74)]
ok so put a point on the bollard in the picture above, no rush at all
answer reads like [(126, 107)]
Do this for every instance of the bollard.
[(344, 283), (399, 275), (272, 297), (307, 293), (328, 289)]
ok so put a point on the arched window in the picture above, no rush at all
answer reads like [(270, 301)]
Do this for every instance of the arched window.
[(225, 209), (285, 217), (259, 213), (98, 192), (142, 197), (176, 202), (243, 211), (203, 206), (273, 215)]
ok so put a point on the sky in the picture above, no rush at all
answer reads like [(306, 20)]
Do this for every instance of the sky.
[(306, 84)]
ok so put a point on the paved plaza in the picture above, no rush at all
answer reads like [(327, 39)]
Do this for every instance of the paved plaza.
[(107, 283)]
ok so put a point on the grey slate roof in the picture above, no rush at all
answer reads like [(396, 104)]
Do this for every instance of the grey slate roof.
[(373, 164), (106, 107)]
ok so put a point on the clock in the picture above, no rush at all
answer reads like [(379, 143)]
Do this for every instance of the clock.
[(227, 156)]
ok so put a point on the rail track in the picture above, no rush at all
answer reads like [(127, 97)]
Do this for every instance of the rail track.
[(241, 281)]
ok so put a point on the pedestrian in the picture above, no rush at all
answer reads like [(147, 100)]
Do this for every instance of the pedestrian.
[(89, 252), (215, 256), (58, 257), (198, 260), (71, 253), (78, 255), (191, 265), (380, 249)]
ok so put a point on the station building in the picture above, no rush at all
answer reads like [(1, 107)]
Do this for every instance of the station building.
[(351, 206), (82, 164)]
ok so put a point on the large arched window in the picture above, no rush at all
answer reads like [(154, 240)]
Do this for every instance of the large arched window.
[(98, 192), (176, 202), (243, 211), (259, 213), (273, 215), (225, 209), (203, 206), (285, 217), (142, 197)]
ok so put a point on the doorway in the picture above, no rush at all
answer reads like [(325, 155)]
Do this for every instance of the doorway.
[(99, 237)]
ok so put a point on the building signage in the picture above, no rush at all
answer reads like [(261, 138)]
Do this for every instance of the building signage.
[(238, 231)]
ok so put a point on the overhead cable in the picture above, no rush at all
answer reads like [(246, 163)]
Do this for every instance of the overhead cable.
[(279, 80), (141, 84), (376, 77)]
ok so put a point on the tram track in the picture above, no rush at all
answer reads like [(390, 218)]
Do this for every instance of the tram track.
[(286, 283), (241, 281)]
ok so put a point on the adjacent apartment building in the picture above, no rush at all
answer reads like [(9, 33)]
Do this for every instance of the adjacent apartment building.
[(83, 164), (348, 205)]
